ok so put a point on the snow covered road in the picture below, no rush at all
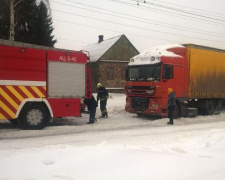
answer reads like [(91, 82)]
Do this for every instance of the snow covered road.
[(120, 147)]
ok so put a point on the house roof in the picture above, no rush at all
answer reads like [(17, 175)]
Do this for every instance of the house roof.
[(97, 50)]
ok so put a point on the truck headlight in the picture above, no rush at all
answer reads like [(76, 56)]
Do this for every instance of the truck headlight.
[(150, 91), (155, 106)]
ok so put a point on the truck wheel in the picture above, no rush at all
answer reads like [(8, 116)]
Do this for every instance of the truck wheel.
[(210, 107), (34, 116)]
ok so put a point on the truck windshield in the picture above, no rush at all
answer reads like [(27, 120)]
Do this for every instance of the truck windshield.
[(143, 73)]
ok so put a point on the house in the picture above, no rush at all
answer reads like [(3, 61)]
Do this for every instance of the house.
[(108, 60)]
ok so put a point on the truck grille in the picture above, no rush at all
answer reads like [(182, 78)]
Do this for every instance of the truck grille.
[(140, 103), (138, 92)]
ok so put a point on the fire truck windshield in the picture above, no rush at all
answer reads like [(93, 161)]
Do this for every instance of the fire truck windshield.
[(143, 73)]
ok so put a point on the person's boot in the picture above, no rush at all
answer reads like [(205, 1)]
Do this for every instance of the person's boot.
[(91, 121), (103, 116), (170, 123)]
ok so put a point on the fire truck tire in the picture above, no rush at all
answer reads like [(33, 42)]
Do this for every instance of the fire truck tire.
[(34, 116)]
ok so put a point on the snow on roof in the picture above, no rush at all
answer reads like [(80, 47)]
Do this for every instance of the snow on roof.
[(98, 49), (152, 56)]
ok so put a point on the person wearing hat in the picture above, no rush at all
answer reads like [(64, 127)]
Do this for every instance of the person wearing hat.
[(171, 104), (102, 96)]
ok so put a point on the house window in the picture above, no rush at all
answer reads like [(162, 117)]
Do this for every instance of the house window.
[(110, 73)]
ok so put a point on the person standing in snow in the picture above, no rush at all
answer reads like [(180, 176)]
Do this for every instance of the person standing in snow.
[(171, 104), (102, 96), (91, 105)]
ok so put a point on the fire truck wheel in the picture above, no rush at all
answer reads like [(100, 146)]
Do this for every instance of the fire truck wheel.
[(34, 116)]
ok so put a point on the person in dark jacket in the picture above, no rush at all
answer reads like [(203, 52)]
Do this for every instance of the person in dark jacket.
[(171, 104), (102, 96), (91, 105)]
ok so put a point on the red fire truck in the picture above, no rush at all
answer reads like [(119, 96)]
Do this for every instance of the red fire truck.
[(195, 73), (38, 83)]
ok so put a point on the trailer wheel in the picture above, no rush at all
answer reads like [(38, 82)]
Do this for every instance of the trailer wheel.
[(210, 107), (34, 116)]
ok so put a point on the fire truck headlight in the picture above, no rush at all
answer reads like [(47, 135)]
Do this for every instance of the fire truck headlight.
[(155, 106), (150, 91)]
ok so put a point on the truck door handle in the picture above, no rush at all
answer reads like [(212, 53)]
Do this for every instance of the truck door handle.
[(67, 105)]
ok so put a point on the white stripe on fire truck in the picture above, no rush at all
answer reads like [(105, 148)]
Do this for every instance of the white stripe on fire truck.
[(22, 83)]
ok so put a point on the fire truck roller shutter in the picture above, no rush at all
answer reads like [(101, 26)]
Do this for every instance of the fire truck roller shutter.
[(66, 79)]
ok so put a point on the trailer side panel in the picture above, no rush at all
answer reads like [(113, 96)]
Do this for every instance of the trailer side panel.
[(207, 75)]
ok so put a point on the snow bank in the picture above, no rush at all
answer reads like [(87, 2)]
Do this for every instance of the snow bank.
[(152, 56)]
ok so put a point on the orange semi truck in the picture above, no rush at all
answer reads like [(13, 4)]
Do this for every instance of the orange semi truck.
[(39, 83), (196, 74)]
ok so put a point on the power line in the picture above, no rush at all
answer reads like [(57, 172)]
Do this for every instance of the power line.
[(132, 26), (173, 4), (167, 12), (140, 20), (121, 32), (181, 11), (136, 34)]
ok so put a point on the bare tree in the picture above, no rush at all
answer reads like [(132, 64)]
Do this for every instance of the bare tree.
[(12, 6)]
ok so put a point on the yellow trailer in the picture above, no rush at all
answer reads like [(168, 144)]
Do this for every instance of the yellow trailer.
[(206, 72)]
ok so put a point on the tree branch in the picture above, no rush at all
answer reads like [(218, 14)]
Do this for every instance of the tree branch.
[(18, 3)]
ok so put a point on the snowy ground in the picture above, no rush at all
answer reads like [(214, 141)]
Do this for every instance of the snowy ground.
[(118, 148)]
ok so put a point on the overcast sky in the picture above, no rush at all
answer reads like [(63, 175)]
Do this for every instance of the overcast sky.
[(78, 23)]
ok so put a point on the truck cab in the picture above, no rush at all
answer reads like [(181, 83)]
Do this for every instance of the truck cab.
[(150, 74)]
